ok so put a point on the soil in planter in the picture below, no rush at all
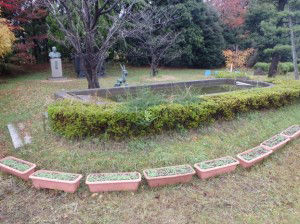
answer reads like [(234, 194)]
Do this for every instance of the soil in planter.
[(57, 176), (216, 163), (112, 177), (169, 171), (275, 140), (253, 154), (15, 164), (292, 130)]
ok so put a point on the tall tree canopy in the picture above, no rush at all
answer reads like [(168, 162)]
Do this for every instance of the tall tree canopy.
[(29, 26), (232, 11), (268, 25), (201, 39)]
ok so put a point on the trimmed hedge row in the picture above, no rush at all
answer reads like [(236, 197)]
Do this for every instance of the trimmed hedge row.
[(283, 67), (74, 119)]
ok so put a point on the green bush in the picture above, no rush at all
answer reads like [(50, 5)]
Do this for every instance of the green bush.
[(283, 67), (78, 120), (262, 65), (231, 75)]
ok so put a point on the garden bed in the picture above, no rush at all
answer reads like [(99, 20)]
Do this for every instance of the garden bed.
[(292, 132), (74, 119), (113, 182), (169, 175), (67, 182), (216, 167), (17, 167), (253, 156), (276, 142)]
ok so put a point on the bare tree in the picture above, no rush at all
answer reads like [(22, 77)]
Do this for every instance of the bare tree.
[(79, 20), (152, 36)]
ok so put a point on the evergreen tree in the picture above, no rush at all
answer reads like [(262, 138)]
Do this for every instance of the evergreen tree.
[(267, 23), (201, 40)]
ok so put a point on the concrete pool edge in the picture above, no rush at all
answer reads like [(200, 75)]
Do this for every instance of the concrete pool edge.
[(104, 92)]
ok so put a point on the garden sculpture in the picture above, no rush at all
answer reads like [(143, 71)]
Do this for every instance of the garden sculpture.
[(56, 66), (54, 54), (122, 81)]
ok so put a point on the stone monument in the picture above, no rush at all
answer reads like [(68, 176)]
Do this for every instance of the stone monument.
[(56, 66)]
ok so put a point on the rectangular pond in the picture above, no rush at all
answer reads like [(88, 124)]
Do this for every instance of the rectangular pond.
[(166, 91)]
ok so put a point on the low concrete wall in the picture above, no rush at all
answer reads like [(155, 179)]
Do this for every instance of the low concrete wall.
[(111, 92)]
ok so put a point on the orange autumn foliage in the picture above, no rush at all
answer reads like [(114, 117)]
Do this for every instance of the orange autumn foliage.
[(237, 59)]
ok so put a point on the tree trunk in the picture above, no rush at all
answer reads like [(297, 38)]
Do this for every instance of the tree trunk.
[(253, 59), (91, 73), (274, 64), (276, 56), (294, 53), (154, 66)]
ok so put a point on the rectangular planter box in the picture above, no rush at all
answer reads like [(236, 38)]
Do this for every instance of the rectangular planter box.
[(55, 184), (248, 163), (170, 179), (115, 185), (293, 136), (215, 171), (22, 174), (278, 146)]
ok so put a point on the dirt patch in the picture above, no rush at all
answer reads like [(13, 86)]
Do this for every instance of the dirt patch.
[(161, 78), (58, 81)]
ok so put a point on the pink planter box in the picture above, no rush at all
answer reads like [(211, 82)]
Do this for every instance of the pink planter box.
[(211, 172), (24, 175), (55, 184), (248, 163), (171, 179), (278, 146), (118, 185), (294, 136)]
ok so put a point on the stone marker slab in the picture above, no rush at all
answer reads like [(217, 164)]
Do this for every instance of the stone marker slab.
[(15, 137)]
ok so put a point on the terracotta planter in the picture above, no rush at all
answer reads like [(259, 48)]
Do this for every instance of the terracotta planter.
[(293, 136), (248, 163), (169, 179), (113, 185), (55, 184), (215, 171), (278, 146), (22, 174)]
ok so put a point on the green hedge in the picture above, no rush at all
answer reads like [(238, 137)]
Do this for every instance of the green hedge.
[(78, 120), (283, 67)]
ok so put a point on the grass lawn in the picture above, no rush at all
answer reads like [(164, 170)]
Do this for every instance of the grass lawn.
[(267, 193)]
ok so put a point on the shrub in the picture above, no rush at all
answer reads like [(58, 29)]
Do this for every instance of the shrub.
[(231, 75), (262, 65), (283, 67), (78, 120)]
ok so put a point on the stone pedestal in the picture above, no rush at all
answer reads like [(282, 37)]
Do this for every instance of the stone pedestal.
[(56, 68)]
